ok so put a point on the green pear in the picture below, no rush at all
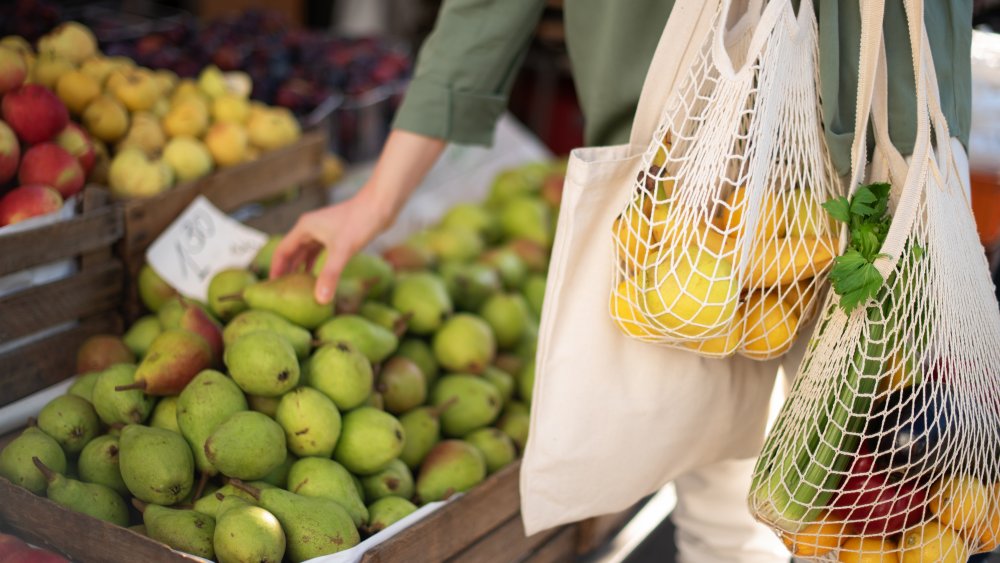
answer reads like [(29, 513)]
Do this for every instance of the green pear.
[(261, 263), (465, 343), (514, 422), (385, 317), (453, 466), (528, 346), (71, 420), (184, 530), (156, 464), (324, 478), (223, 289), (510, 363), (310, 420), (515, 182), (290, 296), (394, 480), (153, 291), (268, 405), (422, 427), (503, 381), (16, 463), (211, 502), (89, 498), (509, 265), (376, 401), (508, 317), (477, 403), (372, 340), (369, 440), (497, 448), (470, 284), (424, 296), (387, 511), (351, 294), (141, 334), (363, 266), (83, 386), (534, 254), (526, 382), (474, 217), (120, 407), (263, 363), (98, 463), (279, 475), (342, 373), (247, 445), (256, 321), (421, 354), (401, 384), (455, 243), (165, 414), (172, 312), (527, 217), (202, 406), (173, 359), (248, 534), (409, 257), (312, 526), (534, 293)]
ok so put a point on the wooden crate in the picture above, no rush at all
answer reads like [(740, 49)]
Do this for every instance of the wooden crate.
[(268, 178), (88, 299)]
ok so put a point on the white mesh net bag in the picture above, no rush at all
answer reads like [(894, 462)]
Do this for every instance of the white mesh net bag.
[(723, 245), (888, 447)]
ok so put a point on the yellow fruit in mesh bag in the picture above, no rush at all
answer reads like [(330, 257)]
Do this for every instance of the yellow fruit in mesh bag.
[(691, 292), (932, 542), (783, 261), (770, 325), (816, 539), (868, 550), (799, 296), (672, 232), (624, 308), (960, 501), (632, 236), (723, 345), (805, 216), (772, 214), (989, 533)]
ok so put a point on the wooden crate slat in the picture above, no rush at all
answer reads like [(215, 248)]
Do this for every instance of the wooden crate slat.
[(455, 526), (59, 241), (78, 296), (506, 543), (79, 536), (559, 548), (49, 360), (595, 531)]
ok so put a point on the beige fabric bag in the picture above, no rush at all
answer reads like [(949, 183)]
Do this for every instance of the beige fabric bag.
[(613, 419)]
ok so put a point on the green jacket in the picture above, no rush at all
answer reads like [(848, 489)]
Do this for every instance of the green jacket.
[(467, 66)]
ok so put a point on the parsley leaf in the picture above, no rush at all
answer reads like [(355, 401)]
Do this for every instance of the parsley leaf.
[(838, 208)]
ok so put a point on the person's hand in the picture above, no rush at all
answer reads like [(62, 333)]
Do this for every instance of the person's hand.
[(347, 227)]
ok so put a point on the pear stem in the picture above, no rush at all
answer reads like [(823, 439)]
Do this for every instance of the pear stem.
[(139, 505), (46, 472), (32, 421), (402, 323), (141, 384), (248, 489), (437, 411), (202, 481), (231, 297)]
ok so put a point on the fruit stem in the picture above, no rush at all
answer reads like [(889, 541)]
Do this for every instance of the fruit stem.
[(46, 472), (202, 481), (248, 489), (438, 410), (402, 323), (231, 297), (141, 384), (139, 505)]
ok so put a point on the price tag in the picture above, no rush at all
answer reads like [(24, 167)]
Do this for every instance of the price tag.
[(200, 243)]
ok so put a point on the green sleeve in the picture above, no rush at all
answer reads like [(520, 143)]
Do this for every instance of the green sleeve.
[(949, 29), (466, 69)]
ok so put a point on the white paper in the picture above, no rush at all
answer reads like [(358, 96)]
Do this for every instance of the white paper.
[(201, 242)]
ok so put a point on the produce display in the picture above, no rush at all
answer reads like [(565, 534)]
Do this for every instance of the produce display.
[(262, 425)]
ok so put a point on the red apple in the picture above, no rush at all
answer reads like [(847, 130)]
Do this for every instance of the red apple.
[(34, 113), (35, 556), (26, 202), (10, 153), (10, 544), (13, 69), (78, 143), (52, 165)]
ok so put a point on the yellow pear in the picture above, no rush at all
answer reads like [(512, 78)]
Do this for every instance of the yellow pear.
[(187, 118), (806, 217), (723, 345), (17, 43), (227, 142), (212, 82), (71, 41), (787, 260), (771, 222), (231, 108), (633, 236), (166, 80), (102, 163), (186, 88), (138, 91), (133, 175), (625, 309), (145, 134), (691, 292), (49, 68), (188, 157), (770, 325), (98, 68), (273, 129), (77, 89), (106, 119), (160, 108)]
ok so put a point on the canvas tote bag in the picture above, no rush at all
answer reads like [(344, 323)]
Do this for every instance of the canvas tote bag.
[(614, 419)]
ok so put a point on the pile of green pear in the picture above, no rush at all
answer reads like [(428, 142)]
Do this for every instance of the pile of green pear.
[(264, 426)]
